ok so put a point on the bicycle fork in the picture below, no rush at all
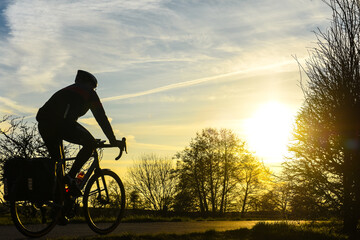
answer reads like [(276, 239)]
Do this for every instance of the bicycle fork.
[(99, 189)]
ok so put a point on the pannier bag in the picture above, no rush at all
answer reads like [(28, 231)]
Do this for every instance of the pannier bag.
[(29, 179)]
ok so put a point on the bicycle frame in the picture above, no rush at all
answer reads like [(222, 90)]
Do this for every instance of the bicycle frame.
[(95, 166)]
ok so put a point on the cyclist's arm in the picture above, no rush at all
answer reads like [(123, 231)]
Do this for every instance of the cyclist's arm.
[(100, 116)]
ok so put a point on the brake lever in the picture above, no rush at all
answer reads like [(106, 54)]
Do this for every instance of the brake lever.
[(122, 148)]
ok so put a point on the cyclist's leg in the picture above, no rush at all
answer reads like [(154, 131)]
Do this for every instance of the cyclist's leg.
[(52, 139), (75, 133), (50, 133)]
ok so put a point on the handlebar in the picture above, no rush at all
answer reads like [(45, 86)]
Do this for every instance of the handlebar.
[(120, 144)]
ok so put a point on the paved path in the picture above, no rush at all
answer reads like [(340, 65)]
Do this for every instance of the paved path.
[(10, 232)]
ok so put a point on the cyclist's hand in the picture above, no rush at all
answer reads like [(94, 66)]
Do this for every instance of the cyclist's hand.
[(117, 143), (114, 142), (121, 144)]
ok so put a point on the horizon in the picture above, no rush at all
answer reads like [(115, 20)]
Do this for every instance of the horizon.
[(166, 70)]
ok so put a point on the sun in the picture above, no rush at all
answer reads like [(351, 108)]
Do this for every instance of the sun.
[(268, 130)]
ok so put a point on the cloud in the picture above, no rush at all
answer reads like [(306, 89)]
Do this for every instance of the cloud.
[(156, 147), (91, 121), (196, 81), (134, 144), (33, 52), (163, 45), (12, 107), (56, 36), (103, 36), (88, 121)]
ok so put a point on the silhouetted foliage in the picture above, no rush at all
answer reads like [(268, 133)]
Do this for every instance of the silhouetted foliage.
[(326, 165), (253, 176), (315, 169), (134, 199), (207, 169), (19, 138), (151, 177), (217, 173)]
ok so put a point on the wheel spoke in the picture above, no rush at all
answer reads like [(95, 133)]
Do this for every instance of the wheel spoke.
[(34, 218), (104, 202)]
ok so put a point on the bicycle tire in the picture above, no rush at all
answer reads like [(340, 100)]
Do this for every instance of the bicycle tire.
[(103, 214), (35, 218)]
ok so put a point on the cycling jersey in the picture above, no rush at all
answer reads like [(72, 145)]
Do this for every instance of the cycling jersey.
[(72, 102)]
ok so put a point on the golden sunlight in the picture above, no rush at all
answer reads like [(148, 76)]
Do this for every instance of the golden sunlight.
[(268, 131)]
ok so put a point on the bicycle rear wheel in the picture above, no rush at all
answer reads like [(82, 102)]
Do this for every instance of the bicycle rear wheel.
[(104, 202), (34, 218)]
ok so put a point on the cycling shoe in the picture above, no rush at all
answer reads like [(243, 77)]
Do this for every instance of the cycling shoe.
[(74, 189)]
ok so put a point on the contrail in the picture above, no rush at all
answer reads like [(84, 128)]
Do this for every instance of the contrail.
[(191, 82), (25, 109), (165, 88)]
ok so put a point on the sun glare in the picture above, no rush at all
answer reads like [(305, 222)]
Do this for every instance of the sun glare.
[(268, 131)]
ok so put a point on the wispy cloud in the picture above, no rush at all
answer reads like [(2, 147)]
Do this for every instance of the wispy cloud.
[(91, 121), (197, 81), (55, 37), (50, 39), (12, 107), (156, 147)]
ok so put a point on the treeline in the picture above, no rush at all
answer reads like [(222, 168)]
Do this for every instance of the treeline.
[(215, 174)]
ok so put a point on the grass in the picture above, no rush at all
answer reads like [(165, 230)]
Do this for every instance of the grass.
[(261, 231), (208, 235), (5, 219), (150, 218), (283, 231)]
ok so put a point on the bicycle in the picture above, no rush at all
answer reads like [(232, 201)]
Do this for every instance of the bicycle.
[(103, 200)]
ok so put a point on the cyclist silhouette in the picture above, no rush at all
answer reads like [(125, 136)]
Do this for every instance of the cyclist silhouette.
[(57, 121)]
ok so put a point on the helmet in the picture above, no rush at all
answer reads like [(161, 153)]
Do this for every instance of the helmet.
[(86, 77)]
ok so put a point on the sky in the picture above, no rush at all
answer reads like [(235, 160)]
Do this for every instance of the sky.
[(166, 69)]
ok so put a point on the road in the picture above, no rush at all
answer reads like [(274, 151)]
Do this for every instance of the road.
[(82, 230)]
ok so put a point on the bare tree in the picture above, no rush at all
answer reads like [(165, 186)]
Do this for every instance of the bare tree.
[(134, 199), (252, 177), (19, 138), (152, 177), (209, 170), (326, 143)]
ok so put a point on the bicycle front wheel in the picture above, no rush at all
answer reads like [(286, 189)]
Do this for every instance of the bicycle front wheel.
[(104, 202)]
